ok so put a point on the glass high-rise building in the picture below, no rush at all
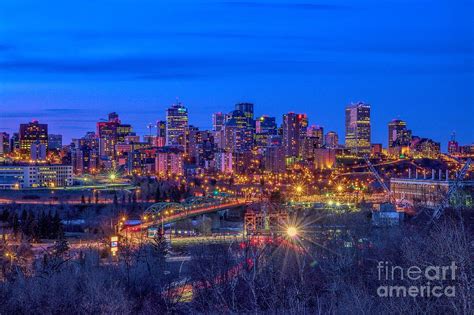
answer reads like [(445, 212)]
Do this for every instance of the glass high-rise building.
[(218, 120), (246, 108), (55, 142), (395, 129), (176, 125), (358, 129), (265, 127), (294, 129), (110, 133)]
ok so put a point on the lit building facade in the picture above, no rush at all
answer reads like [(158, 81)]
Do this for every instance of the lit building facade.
[(35, 176), (109, 134), (31, 133), (358, 128), (85, 154), (324, 158), (224, 162), (55, 142), (294, 128), (274, 159), (430, 188), (218, 120), (331, 140), (4, 143), (176, 126), (265, 127), (169, 162)]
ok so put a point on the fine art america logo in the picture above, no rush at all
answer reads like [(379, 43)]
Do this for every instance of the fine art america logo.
[(415, 281)]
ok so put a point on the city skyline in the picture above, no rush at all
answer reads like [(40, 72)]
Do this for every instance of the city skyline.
[(61, 68), (144, 129)]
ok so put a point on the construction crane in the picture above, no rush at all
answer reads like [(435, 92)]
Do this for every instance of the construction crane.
[(438, 211)]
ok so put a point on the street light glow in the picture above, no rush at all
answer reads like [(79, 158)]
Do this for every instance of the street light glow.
[(292, 231)]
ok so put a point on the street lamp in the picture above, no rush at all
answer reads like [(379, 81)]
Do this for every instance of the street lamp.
[(292, 231)]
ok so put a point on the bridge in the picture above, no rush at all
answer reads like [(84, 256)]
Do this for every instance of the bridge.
[(167, 212)]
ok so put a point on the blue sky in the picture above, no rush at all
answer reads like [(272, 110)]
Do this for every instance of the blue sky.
[(69, 63)]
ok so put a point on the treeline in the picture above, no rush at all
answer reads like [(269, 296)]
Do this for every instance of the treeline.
[(152, 190), (34, 225), (244, 279)]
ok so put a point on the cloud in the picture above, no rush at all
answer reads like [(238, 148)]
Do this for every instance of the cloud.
[(59, 114), (288, 5), (60, 111)]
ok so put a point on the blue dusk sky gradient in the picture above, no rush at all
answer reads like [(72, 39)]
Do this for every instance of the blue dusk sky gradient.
[(69, 63)]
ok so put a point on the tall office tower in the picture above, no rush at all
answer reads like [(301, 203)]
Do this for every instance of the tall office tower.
[(358, 131), (85, 154), (318, 133), (238, 133), (396, 129), (453, 145), (205, 148), (160, 133), (218, 120), (55, 142), (176, 125), (265, 127), (294, 129), (169, 162), (4, 143), (331, 140), (193, 138), (246, 108), (31, 133), (110, 133)]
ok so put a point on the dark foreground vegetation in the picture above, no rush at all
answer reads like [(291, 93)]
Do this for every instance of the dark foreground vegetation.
[(299, 276)]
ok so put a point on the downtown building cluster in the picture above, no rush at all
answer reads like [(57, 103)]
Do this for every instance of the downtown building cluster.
[(239, 142)]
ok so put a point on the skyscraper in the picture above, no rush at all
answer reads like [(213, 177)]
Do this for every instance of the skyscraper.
[(110, 133), (218, 120), (316, 132), (31, 133), (453, 145), (331, 140), (176, 125), (55, 142), (4, 143), (246, 108), (358, 130), (396, 129), (160, 133), (294, 129), (85, 154), (238, 132), (265, 127)]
